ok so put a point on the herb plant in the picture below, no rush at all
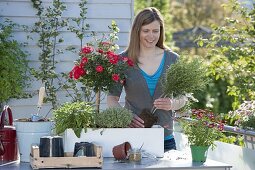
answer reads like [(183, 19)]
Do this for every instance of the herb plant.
[(184, 76), (115, 117), (76, 115)]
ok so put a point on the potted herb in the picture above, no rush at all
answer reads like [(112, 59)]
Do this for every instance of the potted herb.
[(75, 116), (116, 117), (111, 129), (202, 130)]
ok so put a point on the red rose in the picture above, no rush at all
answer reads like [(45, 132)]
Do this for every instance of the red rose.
[(110, 54), (100, 51), (86, 50), (99, 69), (71, 74), (81, 71), (115, 77), (114, 59), (84, 60), (77, 72), (130, 63)]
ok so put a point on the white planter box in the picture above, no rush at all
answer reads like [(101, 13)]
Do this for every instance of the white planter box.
[(153, 139)]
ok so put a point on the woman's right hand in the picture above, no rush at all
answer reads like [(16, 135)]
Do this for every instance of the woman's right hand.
[(137, 122)]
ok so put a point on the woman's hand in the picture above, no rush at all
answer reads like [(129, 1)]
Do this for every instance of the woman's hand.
[(163, 103), (137, 122)]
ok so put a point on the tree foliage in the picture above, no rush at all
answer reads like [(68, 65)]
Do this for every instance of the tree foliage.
[(191, 13), (232, 53)]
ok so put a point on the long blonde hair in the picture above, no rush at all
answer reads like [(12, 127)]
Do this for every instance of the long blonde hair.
[(144, 17)]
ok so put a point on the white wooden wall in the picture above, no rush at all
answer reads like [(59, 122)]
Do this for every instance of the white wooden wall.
[(99, 17)]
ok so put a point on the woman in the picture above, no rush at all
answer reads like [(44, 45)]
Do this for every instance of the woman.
[(142, 86)]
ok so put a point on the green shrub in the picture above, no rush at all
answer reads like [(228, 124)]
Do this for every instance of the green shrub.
[(14, 65)]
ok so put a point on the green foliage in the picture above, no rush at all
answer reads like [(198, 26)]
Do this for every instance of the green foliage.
[(116, 117), (14, 65), (204, 128), (80, 27), (232, 140), (250, 123), (185, 76), (191, 13), (232, 53), (76, 115)]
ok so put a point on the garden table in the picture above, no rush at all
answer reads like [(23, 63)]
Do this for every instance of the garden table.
[(171, 160)]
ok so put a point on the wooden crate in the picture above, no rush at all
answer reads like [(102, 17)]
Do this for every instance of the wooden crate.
[(68, 161)]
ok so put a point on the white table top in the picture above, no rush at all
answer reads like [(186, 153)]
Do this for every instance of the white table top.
[(171, 160)]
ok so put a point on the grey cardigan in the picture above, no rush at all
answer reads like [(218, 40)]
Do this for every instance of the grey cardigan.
[(138, 96)]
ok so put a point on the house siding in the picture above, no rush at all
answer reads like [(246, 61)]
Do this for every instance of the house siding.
[(99, 15)]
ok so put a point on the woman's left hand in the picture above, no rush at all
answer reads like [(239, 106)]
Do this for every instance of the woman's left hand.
[(163, 103)]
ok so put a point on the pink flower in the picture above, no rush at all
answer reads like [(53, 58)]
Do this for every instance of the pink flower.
[(99, 69), (115, 77)]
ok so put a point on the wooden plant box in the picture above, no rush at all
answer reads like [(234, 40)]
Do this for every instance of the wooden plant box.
[(68, 161)]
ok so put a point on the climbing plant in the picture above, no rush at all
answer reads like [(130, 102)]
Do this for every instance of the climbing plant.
[(48, 28)]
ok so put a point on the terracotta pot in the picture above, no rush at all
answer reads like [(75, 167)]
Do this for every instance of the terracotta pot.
[(148, 118), (120, 152)]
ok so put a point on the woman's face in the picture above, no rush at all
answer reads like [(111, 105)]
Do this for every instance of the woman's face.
[(149, 34)]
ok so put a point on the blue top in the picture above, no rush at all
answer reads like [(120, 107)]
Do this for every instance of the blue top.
[(152, 80)]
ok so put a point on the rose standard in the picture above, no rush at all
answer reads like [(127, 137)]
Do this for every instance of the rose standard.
[(100, 68)]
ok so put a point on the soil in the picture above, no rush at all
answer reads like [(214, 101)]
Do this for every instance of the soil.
[(148, 118)]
